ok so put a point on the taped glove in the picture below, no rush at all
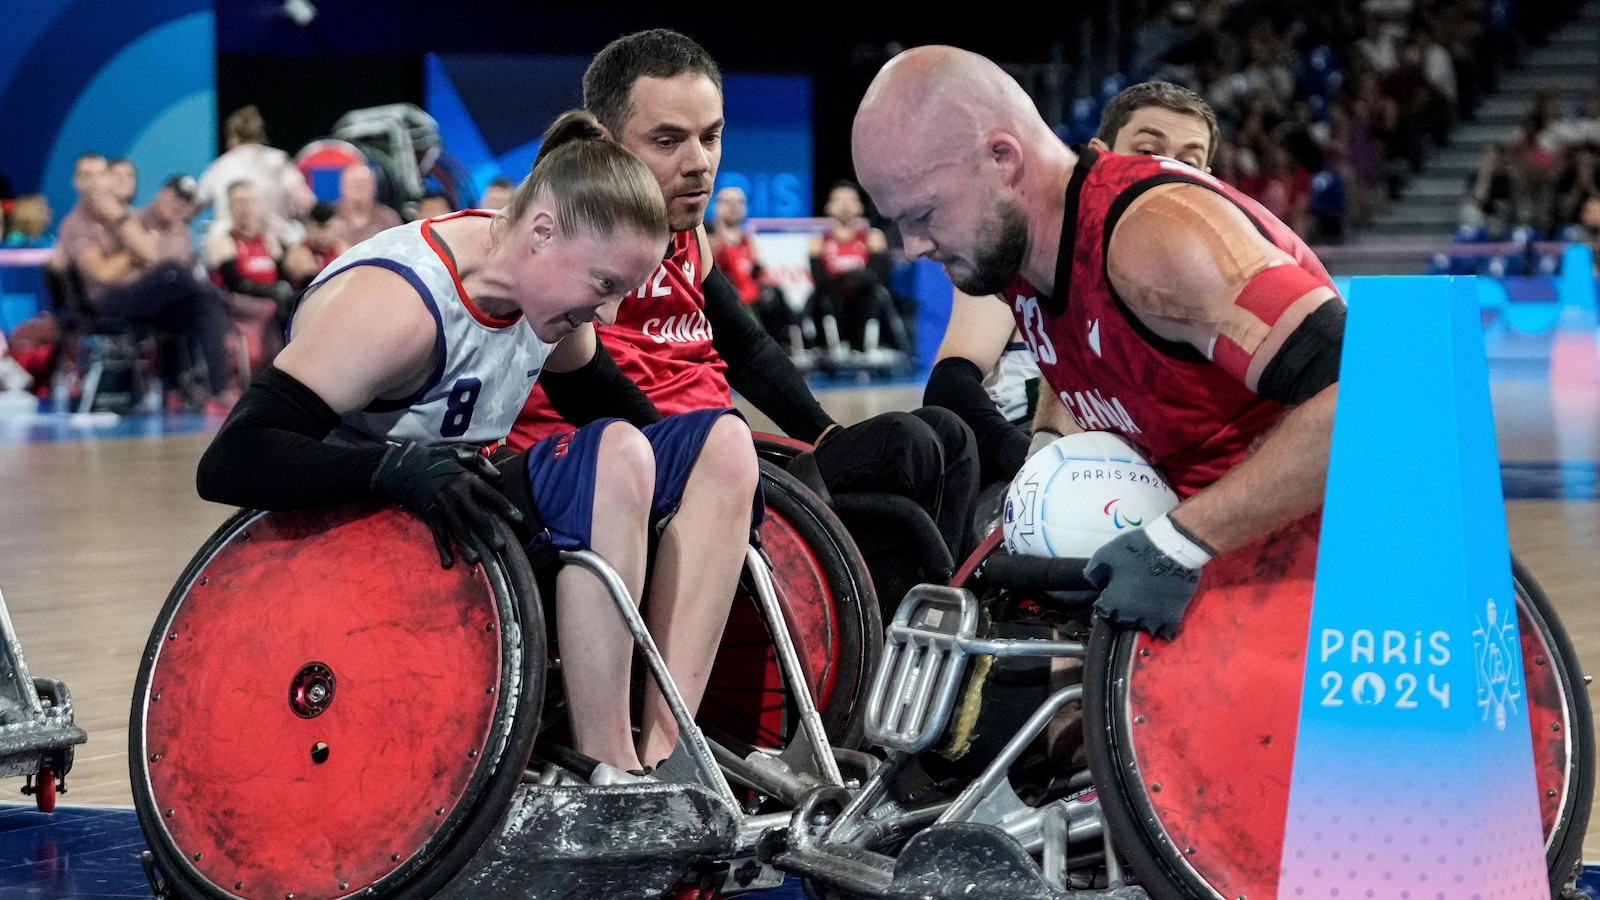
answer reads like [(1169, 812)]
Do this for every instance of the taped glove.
[(1148, 576), (446, 487)]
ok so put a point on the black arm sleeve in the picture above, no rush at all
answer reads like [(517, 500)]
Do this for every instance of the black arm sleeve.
[(270, 452), (757, 367), (595, 390), (1308, 361), (957, 385)]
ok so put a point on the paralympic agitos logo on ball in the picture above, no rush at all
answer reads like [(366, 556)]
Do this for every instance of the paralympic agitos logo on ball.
[(1118, 520)]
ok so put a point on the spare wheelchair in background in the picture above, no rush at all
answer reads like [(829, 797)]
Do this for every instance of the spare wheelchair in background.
[(37, 734), (1180, 788), (323, 711)]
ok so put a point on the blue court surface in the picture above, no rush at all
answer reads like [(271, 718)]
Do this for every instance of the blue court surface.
[(93, 853)]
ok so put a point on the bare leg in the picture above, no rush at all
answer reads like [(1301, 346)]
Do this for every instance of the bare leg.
[(596, 649), (697, 570)]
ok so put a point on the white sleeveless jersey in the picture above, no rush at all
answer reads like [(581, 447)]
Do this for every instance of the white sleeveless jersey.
[(1007, 382), (484, 368)]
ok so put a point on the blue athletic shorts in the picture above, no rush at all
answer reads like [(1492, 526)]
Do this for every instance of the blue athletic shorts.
[(561, 470)]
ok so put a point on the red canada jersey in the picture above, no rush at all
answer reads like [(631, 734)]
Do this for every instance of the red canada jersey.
[(661, 341), (254, 261), (738, 262), (1188, 416), (839, 256)]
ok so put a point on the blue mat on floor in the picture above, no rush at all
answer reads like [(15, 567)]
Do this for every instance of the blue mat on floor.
[(92, 853)]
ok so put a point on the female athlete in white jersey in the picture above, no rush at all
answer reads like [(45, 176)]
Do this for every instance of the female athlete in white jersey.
[(426, 339)]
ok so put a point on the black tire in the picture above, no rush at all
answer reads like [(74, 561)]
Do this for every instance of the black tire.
[(856, 630), (484, 804), (1564, 842)]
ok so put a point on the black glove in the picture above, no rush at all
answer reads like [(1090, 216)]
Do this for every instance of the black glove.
[(1141, 584), (446, 487)]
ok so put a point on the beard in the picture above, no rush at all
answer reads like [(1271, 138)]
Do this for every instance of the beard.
[(680, 218), (1002, 243)]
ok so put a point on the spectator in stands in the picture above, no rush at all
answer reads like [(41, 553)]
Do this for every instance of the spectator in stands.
[(1589, 218), (850, 271), (1491, 192), (246, 262), (1568, 131), (29, 225), (1533, 173), (1284, 187), (280, 186), (167, 219), (1268, 73), (127, 279), (434, 204), (359, 214), (1225, 163), (1438, 67), (124, 179), (306, 259), (1576, 184), (497, 194), (733, 250)]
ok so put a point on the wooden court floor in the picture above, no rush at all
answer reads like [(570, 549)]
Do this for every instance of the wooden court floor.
[(93, 534)]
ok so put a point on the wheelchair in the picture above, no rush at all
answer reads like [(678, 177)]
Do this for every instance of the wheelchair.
[(1180, 788), (323, 711)]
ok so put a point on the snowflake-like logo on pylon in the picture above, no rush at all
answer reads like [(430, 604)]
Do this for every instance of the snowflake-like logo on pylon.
[(1494, 649)]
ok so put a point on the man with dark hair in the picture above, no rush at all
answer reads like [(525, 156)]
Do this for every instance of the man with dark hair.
[(984, 371), (684, 336), (1172, 121), (307, 258), (433, 204), (167, 218), (124, 177)]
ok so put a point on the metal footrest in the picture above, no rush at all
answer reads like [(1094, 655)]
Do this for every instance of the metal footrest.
[(624, 841), (924, 660)]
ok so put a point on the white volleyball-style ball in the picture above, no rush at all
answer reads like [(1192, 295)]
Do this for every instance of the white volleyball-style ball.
[(1079, 492)]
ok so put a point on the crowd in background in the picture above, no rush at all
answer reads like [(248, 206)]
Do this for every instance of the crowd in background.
[(186, 297), (1542, 177), (1327, 109)]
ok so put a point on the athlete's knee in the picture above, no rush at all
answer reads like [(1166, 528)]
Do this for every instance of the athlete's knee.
[(955, 436), (729, 452), (625, 468), (895, 452)]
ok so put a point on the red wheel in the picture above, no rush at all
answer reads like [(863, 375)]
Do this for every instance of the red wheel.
[(319, 690), (1198, 787), (831, 613), (44, 787)]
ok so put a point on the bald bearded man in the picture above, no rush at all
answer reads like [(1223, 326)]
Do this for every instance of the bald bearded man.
[(1160, 304)]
